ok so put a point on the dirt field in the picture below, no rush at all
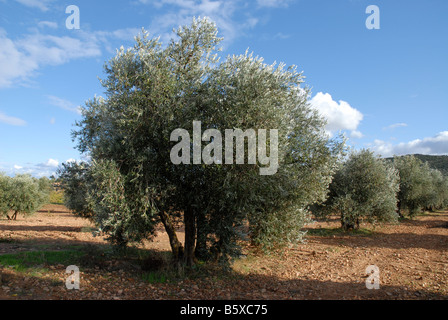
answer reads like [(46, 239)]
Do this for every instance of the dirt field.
[(412, 259)]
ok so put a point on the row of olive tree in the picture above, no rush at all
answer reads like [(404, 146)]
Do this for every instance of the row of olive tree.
[(130, 185), (421, 187), (367, 187), (22, 194)]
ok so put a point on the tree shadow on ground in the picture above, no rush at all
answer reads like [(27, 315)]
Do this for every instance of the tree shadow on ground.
[(386, 240), (53, 211), (422, 223), (225, 286), (40, 228), (304, 289)]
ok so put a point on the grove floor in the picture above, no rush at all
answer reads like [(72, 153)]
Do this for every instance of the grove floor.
[(412, 260)]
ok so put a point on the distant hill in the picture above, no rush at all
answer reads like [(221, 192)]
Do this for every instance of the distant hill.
[(436, 162)]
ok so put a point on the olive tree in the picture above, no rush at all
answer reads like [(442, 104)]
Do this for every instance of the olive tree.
[(23, 194), (438, 193), (416, 184), (364, 188), (76, 181), (152, 91), (4, 193)]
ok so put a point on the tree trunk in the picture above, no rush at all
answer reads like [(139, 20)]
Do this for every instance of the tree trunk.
[(14, 216), (400, 214), (176, 246), (190, 237), (349, 225), (201, 251)]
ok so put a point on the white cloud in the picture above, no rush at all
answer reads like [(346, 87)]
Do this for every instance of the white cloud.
[(437, 145), (14, 63), (180, 12), (40, 4), (21, 58), (356, 134), (13, 121), (49, 24), (273, 3), (50, 163), (340, 115), (53, 50), (64, 104), (395, 125), (44, 169)]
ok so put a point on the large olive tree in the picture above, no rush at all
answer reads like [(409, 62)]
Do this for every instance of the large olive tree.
[(130, 135)]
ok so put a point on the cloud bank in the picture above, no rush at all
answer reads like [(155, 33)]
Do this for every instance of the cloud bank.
[(436, 145)]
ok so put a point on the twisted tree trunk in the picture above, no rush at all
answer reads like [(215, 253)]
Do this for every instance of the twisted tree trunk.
[(176, 246), (13, 217)]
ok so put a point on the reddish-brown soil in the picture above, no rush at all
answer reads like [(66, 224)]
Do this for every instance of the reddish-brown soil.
[(412, 259)]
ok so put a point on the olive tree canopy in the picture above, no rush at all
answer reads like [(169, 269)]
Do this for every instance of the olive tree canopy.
[(153, 90)]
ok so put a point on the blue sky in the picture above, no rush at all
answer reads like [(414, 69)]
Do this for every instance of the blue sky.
[(385, 88)]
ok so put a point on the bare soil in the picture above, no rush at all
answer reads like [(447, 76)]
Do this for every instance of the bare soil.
[(412, 259)]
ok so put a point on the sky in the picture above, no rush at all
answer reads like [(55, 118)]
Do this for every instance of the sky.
[(380, 75)]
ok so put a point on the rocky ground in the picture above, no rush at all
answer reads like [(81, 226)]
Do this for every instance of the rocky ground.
[(412, 261)]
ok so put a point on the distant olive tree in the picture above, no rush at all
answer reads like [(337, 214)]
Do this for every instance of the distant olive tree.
[(23, 194), (438, 194), (45, 188), (365, 188), (4, 193), (153, 90), (416, 184)]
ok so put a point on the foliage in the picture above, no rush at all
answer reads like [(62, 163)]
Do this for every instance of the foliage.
[(23, 194), (364, 188), (57, 197), (76, 181), (120, 214), (45, 188), (439, 163), (132, 183), (420, 186), (4, 193)]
